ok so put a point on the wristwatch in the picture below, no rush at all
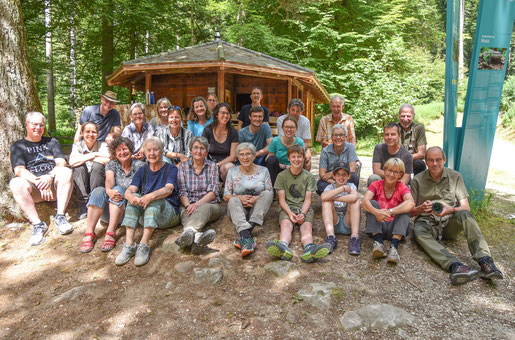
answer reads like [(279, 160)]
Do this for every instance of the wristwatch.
[(391, 211)]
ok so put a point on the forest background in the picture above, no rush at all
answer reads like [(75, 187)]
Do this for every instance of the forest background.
[(376, 53)]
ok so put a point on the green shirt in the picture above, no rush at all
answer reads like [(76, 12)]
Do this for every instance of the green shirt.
[(450, 189), (416, 136), (295, 187)]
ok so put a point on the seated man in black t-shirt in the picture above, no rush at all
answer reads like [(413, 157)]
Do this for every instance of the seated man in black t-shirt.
[(40, 175)]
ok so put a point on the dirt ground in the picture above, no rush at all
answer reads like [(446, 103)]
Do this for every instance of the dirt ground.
[(54, 292)]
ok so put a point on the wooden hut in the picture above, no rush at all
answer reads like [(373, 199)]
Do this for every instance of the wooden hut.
[(228, 70)]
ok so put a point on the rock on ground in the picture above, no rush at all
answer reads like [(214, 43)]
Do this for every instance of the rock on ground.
[(183, 267), (380, 316), (318, 295), (208, 275), (279, 268)]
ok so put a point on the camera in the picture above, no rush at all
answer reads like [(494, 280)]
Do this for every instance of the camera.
[(437, 207)]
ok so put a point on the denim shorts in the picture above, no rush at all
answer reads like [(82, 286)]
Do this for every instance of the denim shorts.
[(341, 228), (99, 197)]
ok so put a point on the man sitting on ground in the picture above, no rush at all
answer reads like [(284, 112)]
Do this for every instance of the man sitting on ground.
[(442, 210), (337, 116), (295, 110), (41, 175), (390, 149), (413, 137), (258, 134)]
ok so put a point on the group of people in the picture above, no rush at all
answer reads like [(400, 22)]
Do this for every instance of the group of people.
[(160, 174)]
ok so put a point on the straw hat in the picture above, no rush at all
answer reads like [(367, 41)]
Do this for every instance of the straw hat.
[(111, 96)]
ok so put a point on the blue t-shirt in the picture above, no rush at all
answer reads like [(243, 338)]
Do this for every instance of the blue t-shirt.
[(155, 181), (244, 115), (281, 151), (104, 123), (196, 128), (258, 139)]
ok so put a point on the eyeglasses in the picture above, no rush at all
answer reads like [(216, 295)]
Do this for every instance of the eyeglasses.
[(198, 148), (396, 173), (245, 155), (137, 114), (39, 125), (289, 127), (437, 160)]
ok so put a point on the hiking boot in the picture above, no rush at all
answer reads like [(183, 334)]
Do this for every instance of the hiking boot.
[(488, 269), (63, 225), (142, 254), (278, 249), (379, 250), (248, 246), (315, 252), (354, 246), (462, 274), (126, 254), (238, 242), (83, 211), (202, 240), (331, 239), (186, 238), (38, 234), (393, 255)]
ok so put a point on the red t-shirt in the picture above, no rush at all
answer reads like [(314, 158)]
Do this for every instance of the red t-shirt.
[(377, 188)]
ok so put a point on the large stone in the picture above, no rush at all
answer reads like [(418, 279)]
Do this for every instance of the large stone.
[(385, 316), (208, 275), (183, 267), (170, 246), (72, 294), (279, 268), (351, 320), (318, 295)]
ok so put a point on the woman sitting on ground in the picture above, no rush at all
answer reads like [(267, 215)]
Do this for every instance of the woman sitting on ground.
[(161, 120), (248, 191), (175, 138), (87, 160), (199, 116), (277, 159), (109, 202), (388, 203), (152, 197), (138, 130), (222, 138), (198, 192)]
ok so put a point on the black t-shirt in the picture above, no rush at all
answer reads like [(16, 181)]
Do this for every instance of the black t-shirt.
[(381, 155), (219, 151), (38, 158), (244, 115)]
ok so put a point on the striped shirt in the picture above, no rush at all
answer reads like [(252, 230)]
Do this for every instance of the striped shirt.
[(326, 124), (195, 186)]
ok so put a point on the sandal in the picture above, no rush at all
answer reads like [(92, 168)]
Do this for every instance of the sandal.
[(89, 244), (108, 245)]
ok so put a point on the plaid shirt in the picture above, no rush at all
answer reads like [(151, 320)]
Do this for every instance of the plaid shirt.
[(131, 132), (195, 186), (326, 125)]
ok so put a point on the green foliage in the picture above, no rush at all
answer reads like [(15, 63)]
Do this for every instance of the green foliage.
[(365, 145), (508, 102), (481, 203), (426, 113)]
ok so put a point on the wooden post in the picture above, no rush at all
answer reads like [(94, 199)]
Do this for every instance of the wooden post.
[(221, 85), (148, 82), (289, 91), (131, 88)]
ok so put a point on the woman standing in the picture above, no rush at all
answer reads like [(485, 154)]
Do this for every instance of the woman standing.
[(175, 138), (199, 116), (222, 138), (138, 130), (163, 105), (87, 160), (212, 100)]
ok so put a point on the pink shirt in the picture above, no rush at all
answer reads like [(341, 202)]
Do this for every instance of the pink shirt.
[(377, 188)]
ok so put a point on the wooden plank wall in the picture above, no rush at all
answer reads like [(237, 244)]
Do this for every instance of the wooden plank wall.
[(275, 91)]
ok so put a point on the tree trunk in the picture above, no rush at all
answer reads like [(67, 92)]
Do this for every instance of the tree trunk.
[(49, 68), (18, 92), (73, 68), (461, 54), (192, 23), (107, 45)]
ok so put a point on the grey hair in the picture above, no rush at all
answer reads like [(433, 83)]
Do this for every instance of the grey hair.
[(296, 102), (31, 114), (403, 106), (201, 140), (337, 97), (155, 141), (435, 148), (135, 105), (246, 146), (339, 126)]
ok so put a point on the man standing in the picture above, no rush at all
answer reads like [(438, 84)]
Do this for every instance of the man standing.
[(258, 134), (244, 117), (442, 210), (390, 149), (40, 175), (295, 110), (104, 115), (337, 116), (413, 137)]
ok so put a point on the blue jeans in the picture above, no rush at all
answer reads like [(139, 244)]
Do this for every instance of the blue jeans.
[(260, 160), (99, 198)]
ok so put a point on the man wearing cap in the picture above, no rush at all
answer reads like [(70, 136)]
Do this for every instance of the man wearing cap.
[(104, 115), (433, 222), (413, 137)]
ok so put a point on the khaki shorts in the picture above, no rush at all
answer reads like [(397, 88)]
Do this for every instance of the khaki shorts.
[(310, 216)]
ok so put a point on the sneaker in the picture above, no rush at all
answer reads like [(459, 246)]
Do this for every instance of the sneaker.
[(238, 242), (462, 274), (83, 211), (202, 241), (379, 250), (63, 225), (248, 246), (354, 246), (142, 254), (393, 255), (186, 238), (331, 239), (315, 252), (278, 249), (126, 254), (38, 234), (488, 269)]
